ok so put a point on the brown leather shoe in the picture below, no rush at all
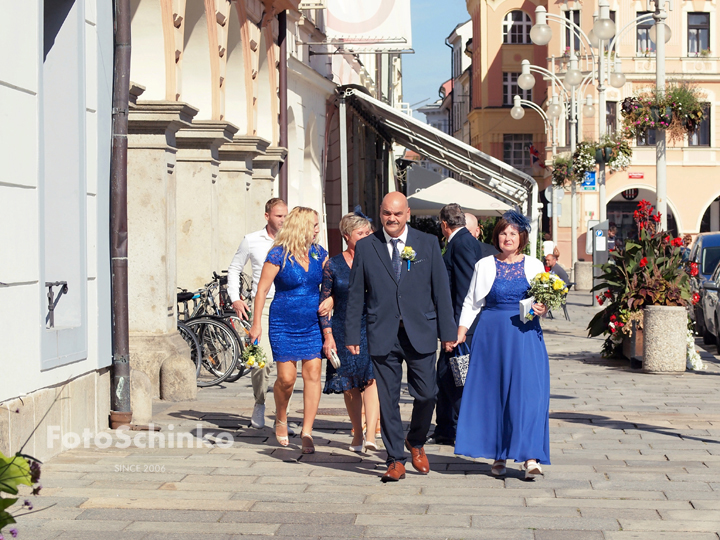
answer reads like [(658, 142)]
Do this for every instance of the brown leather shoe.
[(395, 472), (419, 459)]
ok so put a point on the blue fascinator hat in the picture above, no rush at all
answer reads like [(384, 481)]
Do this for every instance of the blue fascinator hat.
[(518, 220), (358, 212)]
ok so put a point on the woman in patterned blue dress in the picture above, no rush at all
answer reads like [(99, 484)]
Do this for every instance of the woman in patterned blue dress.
[(504, 412), (294, 264), (354, 378)]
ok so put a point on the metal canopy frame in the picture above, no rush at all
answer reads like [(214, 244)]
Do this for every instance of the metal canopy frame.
[(491, 175)]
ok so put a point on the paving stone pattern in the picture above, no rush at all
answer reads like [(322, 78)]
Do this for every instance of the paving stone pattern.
[(635, 456)]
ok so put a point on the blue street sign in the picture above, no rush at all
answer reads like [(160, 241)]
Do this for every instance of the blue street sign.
[(589, 182)]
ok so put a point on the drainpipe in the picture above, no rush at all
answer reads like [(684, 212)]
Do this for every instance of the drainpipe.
[(282, 43), (120, 413)]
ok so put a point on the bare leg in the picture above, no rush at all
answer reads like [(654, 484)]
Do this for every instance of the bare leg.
[(282, 390), (311, 392), (353, 402), (372, 410)]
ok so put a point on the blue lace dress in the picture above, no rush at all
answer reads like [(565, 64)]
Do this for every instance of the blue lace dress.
[(504, 412), (355, 370), (294, 329)]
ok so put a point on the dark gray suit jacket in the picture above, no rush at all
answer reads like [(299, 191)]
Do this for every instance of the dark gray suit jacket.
[(461, 254), (421, 296)]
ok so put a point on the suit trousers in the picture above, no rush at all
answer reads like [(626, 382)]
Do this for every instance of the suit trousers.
[(422, 386), (449, 396)]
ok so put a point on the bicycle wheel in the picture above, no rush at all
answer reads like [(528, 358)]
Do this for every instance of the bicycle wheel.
[(242, 328), (191, 339), (220, 349)]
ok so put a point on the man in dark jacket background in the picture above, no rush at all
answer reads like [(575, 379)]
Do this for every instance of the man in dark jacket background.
[(463, 250)]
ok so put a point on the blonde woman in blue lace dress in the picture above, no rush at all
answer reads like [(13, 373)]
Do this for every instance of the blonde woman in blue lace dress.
[(294, 265)]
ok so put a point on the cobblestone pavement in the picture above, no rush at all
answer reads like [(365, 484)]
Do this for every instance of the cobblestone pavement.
[(634, 456)]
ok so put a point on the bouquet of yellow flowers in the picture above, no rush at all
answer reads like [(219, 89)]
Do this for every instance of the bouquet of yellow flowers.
[(254, 357), (547, 289)]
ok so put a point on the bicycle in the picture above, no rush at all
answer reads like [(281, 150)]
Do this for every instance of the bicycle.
[(220, 345)]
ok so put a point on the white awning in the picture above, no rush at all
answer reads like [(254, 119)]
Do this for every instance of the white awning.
[(491, 175), (430, 200)]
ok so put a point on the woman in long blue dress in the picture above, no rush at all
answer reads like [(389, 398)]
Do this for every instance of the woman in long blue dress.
[(354, 378), (504, 412), (294, 264)]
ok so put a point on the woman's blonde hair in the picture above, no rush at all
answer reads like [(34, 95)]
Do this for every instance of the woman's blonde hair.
[(297, 233), (351, 222)]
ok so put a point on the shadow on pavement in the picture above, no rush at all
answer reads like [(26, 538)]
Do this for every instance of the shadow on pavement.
[(330, 453), (614, 423)]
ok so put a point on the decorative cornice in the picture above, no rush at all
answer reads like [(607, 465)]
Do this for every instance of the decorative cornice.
[(159, 117), (244, 145), (205, 134)]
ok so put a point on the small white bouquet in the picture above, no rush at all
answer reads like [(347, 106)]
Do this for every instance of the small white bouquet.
[(547, 289)]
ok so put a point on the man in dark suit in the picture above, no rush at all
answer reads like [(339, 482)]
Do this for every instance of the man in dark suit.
[(461, 254), (398, 273)]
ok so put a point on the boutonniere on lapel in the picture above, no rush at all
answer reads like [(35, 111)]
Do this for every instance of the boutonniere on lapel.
[(408, 254)]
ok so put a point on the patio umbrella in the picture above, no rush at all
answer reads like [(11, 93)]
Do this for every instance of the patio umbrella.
[(429, 201)]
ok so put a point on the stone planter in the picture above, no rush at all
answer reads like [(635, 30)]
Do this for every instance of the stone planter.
[(633, 346), (664, 347)]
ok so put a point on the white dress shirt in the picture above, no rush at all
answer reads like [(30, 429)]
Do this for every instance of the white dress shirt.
[(452, 234), (254, 246), (401, 243)]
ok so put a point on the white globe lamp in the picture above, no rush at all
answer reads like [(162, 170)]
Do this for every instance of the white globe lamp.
[(540, 33)]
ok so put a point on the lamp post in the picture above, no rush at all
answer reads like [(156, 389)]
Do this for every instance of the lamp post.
[(660, 34), (604, 31), (573, 79), (517, 112), (541, 34)]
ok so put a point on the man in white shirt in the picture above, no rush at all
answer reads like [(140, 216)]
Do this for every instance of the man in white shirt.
[(255, 246)]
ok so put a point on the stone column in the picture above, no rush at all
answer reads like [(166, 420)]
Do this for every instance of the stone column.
[(235, 182), (151, 246), (265, 170), (197, 201)]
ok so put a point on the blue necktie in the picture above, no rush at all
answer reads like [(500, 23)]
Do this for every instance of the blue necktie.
[(397, 266)]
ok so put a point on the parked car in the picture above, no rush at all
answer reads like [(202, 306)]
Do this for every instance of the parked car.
[(706, 253), (711, 306)]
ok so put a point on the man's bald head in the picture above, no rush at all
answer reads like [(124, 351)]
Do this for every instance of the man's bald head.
[(471, 224), (394, 213)]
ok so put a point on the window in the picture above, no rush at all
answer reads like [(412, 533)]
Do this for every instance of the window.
[(644, 44), (701, 136), (516, 28), (515, 151), (610, 117), (649, 138), (573, 16), (63, 183), (698, 32), (510, 89)]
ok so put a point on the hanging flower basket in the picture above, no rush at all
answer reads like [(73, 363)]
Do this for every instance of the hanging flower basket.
[(599, 156), (678, 111)]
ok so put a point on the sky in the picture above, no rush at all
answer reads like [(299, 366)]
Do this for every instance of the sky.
[(424, 71)]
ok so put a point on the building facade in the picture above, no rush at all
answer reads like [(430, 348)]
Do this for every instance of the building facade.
[(203, 158), (55, 112), (503, 28)]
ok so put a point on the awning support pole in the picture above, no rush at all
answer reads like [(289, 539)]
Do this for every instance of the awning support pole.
[(534, 218), (343, 158)]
